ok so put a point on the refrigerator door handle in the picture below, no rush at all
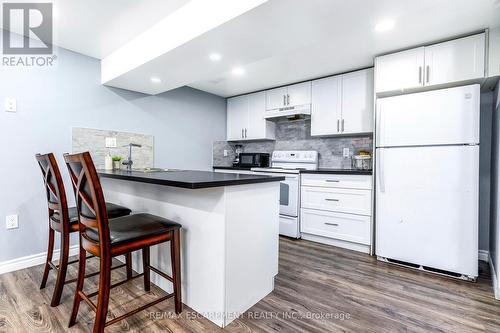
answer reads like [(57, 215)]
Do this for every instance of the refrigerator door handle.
[(380, 171)]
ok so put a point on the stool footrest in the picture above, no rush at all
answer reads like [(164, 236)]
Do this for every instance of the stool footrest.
[(157, 271), (139, 309), (88, 301), (95, 273)]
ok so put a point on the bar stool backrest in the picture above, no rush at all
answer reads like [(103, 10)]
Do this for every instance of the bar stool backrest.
[(54, 188), (90, 202)]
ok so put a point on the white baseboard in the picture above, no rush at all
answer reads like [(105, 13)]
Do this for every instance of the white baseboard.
[(484, 255), (494, 279), (32, 260)]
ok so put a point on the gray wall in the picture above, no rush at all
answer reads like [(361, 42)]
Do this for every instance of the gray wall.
[(495, 186), (184, 123)]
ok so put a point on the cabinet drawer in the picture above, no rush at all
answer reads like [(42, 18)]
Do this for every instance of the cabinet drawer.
[(338, 181), (348, 227), (337, 199)]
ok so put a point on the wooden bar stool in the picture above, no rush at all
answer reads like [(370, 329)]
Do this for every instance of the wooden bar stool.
[(65, 221), (105, 238)]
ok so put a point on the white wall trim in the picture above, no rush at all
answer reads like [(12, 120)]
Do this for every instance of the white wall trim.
[(494, 280), (32, 260), (484, 255)]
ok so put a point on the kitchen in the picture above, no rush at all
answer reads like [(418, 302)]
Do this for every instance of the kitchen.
[(249, 181)]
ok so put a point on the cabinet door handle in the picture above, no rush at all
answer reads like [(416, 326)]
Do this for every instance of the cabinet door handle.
[(242, 131), (331, 199), (287, 99), (332, 181), (245, 133), (338, 125), (284, 100), (332, 224), (342, 125), (427, 74), (419, 74)]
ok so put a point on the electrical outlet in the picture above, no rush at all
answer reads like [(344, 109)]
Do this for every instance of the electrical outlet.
[(226, 153), (346, 152), (11, 221), (110, 142), (10, 104)]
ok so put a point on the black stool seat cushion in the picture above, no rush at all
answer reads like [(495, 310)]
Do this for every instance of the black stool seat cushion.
[(133, 227), (114, 211)]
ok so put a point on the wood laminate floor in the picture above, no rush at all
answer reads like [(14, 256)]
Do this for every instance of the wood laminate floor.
[(318, 289)]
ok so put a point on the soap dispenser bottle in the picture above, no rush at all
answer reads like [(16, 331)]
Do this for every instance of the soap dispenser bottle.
[(108, 162)]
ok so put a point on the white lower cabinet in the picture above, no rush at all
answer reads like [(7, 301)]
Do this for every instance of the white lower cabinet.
[(337, 210), (343, 200), (348, 227)]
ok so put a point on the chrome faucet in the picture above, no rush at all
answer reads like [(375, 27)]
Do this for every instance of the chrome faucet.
[(129, 161)]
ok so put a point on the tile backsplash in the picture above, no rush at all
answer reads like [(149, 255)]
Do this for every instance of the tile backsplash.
[(296, 135), (94, 141)]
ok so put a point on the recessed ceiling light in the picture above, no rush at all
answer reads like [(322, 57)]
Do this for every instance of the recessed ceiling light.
[(215, 56), (155, 79), (385, 25), (238, 71)]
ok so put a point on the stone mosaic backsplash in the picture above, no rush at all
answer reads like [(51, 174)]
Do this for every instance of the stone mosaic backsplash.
[(94, 141), (296, 135)]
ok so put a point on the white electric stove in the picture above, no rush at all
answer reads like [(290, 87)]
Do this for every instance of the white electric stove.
[(289, 164)]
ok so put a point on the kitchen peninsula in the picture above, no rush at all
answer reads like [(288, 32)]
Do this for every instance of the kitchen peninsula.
[(230, 222)]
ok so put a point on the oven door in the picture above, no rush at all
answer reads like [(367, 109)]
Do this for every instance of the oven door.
[(289, 193)]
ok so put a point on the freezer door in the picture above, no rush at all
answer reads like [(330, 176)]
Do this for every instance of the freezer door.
[(439, 117), (427, 206)]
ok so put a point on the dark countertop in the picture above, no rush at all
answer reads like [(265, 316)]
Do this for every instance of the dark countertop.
[(339, 171), (231, 168), (189, 178), (320, 170)]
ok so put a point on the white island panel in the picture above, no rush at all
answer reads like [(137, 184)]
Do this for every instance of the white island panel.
[(229, 244)]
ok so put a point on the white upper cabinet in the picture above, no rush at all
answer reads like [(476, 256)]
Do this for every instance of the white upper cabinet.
[(299, 94), (276, 98), (237, 117), (357, 102), (343, 104), (457, 60), (296, 94), (453, 61), (326, 106), (258, 127), (245, 118), (402, 70)]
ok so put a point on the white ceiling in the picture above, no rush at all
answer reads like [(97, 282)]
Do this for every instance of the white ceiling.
[(277, 42), (98, 27)]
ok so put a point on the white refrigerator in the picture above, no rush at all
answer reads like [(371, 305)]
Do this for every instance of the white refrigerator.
[(427, 190)]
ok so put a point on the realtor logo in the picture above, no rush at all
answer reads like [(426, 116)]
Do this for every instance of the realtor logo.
[(27, 30)]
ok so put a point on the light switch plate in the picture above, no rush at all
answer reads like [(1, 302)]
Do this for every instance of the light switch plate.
[(346, 152), (10, 104), (110, 142), (11, 221)]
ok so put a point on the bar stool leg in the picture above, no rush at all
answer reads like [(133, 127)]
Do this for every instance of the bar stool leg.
[(175, 253), (128, 262), (61, 272), (145, 267), (103, 296), (50, 251), (82, 259)]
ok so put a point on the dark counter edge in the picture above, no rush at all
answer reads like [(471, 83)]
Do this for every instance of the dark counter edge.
[(231, 168), (320, 170), (189, 185)]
